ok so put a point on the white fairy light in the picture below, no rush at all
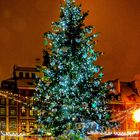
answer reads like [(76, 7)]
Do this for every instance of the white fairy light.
[(12, 134)]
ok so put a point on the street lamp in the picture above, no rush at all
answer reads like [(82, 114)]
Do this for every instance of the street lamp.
[(136, 115)]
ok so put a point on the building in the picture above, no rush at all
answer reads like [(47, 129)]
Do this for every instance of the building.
[(16, 117), (125, 101)]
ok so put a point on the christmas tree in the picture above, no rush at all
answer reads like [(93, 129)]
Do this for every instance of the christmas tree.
[(71, 97)]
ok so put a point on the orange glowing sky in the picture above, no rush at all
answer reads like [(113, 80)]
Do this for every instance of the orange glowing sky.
[(22, 23)]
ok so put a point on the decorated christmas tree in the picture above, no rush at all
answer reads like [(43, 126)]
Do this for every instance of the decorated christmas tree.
[(71, 97)]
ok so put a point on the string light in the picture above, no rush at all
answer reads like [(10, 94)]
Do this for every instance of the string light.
[(121, 115), (14, 96), (124, 112), (12, 134), (124, 115), (129, 133), (10, 93)]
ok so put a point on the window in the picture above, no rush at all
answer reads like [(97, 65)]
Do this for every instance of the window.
[(2, 101), (33, 75), (2, 111), (13, 111), (12, 102), (21, 74), (31, 112), (23, 125), (35, 113), (3, 124), (38, 113), (12, 124), (119, 97), (112, 97), (26, 75), (31, 125), (23, 111)]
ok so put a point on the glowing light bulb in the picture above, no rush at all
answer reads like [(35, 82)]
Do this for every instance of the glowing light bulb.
[(136, 115)]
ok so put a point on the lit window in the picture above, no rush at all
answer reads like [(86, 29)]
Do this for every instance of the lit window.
[(31, 112), (12, 124), (2, 111), (31, 124), (119, 97), (12, 102), (2, 101), (2, 125), (112, 97), (13, 111), (23, 125), (23, 111)]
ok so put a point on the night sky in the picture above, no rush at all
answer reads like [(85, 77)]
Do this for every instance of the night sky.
[(23, 22)]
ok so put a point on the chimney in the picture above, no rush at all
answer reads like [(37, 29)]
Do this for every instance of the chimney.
[(117, 85), (137, 83), (137, 86), (14, 70)]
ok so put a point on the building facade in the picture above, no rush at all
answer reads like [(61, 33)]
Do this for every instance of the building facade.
[(16, 116), (125, 100)]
